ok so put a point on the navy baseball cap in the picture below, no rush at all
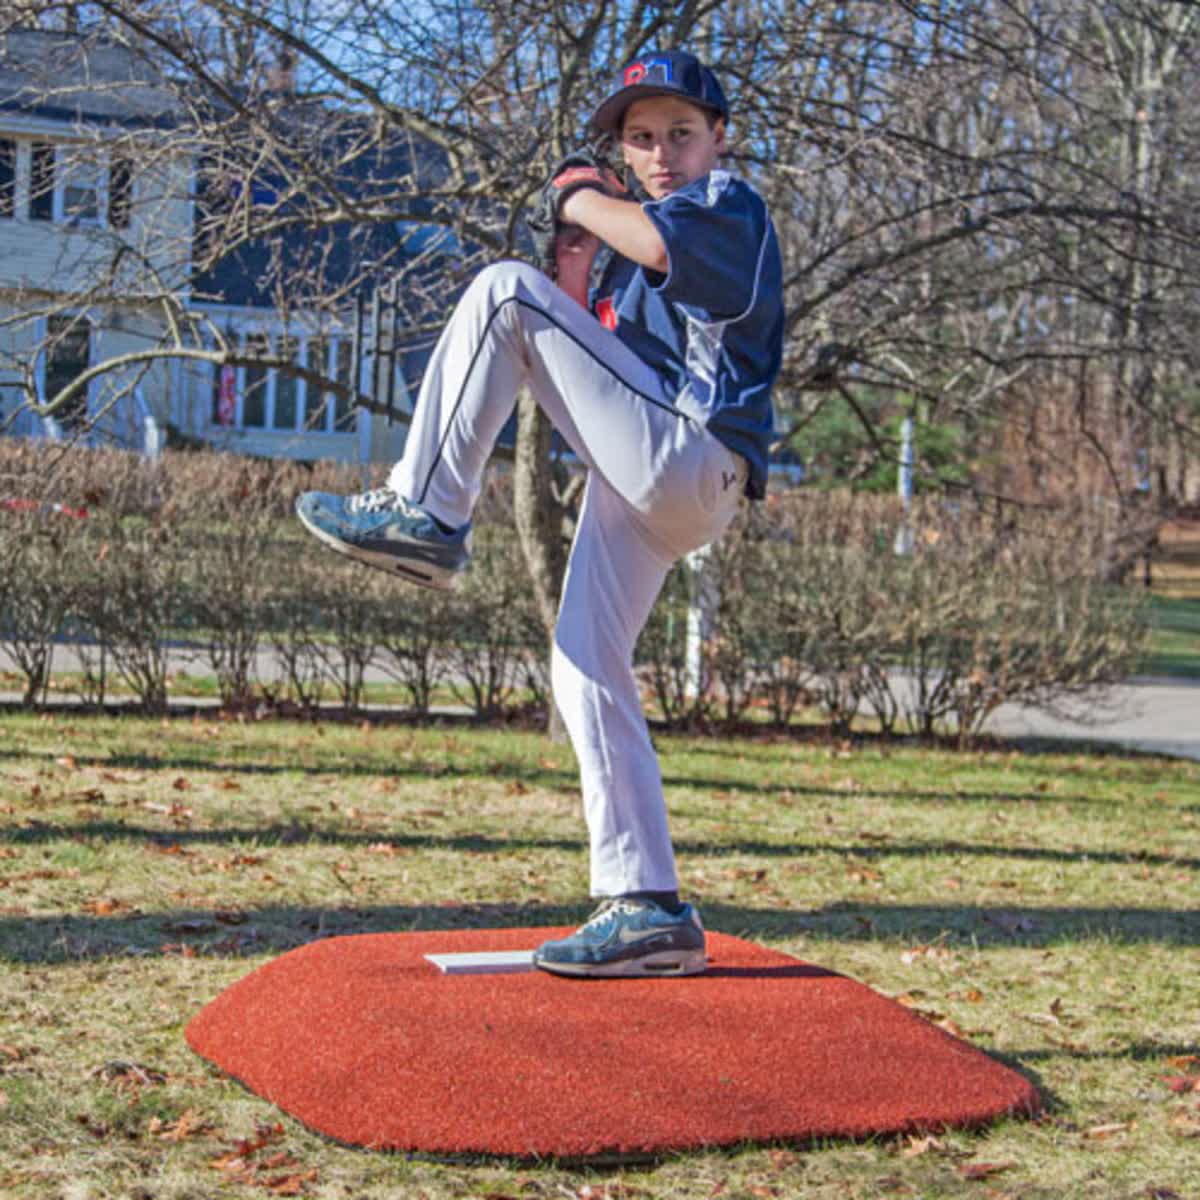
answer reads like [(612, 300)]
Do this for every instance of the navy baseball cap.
[(670, 73)]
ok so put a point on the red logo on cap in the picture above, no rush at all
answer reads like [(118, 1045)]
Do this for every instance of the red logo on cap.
[(659, 65)]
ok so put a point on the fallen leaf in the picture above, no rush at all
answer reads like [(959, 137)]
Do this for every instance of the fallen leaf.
[(105, 906), (935, 953), (982, 1170), (264, 1135), (1185, 1125), (180, 784), (231, 1163), (1182, 1084), (244, 860), (865, 874), (920, 1145), (128, 1074), (172, 848), (291, 1185), (188, 1124), (1099, 1132)]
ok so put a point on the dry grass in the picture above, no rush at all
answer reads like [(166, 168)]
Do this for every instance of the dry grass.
[(1043, 905)]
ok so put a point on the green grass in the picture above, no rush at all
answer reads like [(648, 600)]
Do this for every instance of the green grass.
[(146, 865), (1174, 636)]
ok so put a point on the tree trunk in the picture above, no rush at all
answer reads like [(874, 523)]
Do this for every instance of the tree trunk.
[(539, 516)]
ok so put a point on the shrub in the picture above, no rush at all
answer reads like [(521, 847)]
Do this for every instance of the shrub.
[(38, 590), (489, 622), (237, 508), (804, 599)]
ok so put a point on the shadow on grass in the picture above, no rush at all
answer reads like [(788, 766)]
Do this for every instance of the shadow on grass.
[(1022, 1061), (267, 836), (566, 779), (270, 929)]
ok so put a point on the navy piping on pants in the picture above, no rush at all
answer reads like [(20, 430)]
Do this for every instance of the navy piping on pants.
[(563, 329)]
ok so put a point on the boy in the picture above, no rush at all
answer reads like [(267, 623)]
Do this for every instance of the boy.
[(664, 394)]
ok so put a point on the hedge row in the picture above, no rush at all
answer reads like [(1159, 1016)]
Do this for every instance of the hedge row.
[(803, 602)]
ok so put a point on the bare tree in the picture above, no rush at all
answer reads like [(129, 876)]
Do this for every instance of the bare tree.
[(987, 209)]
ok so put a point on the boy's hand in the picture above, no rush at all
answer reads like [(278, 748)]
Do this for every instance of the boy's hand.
[(572, 173)]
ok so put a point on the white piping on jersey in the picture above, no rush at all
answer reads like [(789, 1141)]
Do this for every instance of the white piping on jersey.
[(705, 339), (704, 343)]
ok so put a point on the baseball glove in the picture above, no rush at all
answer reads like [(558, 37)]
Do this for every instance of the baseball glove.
[(582, 169)]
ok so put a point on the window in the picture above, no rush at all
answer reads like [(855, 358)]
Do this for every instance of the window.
[(343, 408), (82, 186), (8, 178), (277, 400), (120, 193), (286, 389), (68, 355), (41, 182), (254, 394), (73, 183), (315, 408)]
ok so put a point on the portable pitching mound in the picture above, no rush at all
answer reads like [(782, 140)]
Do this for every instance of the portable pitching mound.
[(366, 1041)]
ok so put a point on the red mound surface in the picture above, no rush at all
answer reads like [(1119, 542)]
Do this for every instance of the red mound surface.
[(365, 1042)]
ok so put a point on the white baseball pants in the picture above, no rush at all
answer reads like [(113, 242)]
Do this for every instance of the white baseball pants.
[(659, 486)]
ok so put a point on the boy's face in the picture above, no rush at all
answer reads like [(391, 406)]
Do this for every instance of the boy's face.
[(668, 142)]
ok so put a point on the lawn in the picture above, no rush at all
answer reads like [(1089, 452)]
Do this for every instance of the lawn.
[(1174, 603), (1174, 636), (1043, 906)]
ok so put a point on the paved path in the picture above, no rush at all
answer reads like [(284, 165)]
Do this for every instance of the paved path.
[(1157, 715)]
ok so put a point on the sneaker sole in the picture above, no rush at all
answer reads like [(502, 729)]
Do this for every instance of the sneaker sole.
[(441, 579), (671, 963)]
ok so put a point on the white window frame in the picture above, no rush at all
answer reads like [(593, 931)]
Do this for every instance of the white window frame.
[(100, 168), (66, 166)]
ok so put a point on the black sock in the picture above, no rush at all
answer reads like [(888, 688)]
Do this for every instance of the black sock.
[(442, 525), (668, 900)]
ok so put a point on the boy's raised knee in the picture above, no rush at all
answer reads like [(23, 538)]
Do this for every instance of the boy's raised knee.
[(507, 278)]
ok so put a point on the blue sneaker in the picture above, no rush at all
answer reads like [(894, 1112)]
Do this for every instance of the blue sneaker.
[(626, 937), (382, 529)]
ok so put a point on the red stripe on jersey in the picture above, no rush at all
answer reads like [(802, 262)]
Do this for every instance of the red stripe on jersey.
[(606, 313)]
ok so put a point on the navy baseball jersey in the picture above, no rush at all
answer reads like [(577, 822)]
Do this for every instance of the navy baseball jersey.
[(712, 326)]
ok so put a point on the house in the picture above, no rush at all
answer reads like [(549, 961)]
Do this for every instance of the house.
[(93, 217), (99, 208)]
